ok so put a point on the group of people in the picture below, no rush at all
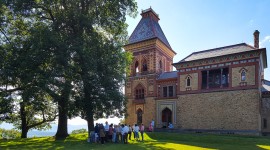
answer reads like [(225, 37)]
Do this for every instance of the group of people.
[(117, 133)]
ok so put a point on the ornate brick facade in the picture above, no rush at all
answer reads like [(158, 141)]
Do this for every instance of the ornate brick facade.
[(212, 90)]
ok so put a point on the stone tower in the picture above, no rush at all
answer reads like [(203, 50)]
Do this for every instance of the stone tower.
[(152, 55)]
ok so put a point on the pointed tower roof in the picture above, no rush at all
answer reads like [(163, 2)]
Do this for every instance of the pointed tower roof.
[(148, 28)]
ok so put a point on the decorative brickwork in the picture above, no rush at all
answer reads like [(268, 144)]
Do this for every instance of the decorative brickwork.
[(193, 82), (250, 76), (217, 89)]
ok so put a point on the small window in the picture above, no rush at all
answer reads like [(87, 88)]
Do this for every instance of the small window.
[(144, 66), (160, 64), (264, 123), (170, 91), (243, 75), (139, 93), (165, 91), (188, 81), (136, 67)]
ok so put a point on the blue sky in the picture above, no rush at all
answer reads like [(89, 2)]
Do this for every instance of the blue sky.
[(195, 25)]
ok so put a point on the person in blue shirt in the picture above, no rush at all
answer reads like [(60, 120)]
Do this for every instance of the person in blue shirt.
[(170, 125)]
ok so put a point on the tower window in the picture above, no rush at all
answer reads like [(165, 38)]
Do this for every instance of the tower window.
[(139, 94), (137, 67), (144, 66), (160, 64)]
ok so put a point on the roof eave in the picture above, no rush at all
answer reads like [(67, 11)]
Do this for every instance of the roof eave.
[(180, 62)]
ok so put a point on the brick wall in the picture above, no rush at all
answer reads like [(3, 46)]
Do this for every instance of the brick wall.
[(149, 110), (230, 110)]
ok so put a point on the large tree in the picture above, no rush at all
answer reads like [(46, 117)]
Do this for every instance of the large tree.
[(22, 75), (85, 59)]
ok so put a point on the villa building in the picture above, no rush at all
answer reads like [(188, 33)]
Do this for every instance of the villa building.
[(217, 90)]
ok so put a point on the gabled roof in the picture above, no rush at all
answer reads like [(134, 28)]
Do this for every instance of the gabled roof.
[(232, 49), (265, 86), (167, 75), (148, 28)]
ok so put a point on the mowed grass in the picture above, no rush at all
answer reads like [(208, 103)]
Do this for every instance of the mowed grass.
[(158, 141)]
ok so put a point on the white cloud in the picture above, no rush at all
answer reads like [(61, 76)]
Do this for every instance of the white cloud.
[(264, 41)]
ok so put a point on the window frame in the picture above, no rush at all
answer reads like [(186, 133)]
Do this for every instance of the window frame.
[(243, 75), (188, 81), (168, 91)]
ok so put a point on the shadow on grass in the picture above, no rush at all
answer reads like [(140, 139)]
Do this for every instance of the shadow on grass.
[(212, 141), (157, 141)]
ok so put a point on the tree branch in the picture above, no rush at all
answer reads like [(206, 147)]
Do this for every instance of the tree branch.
[(46, 10), (11, 90), (2, 31), (43, 121)]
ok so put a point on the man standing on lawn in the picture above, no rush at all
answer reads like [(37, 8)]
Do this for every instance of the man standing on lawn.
[(106, 131), (142, 130), (153, 125)]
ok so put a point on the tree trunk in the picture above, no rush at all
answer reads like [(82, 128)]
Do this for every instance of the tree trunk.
[(24, 127), (62, 130), (90, 125)]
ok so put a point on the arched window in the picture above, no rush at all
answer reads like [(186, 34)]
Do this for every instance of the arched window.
[(188, 81), (136, 67), (243, 75), (160, 64), (139, 92), (144, 65)]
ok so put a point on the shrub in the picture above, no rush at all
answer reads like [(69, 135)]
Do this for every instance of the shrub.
[(9, 134), (79, 131)]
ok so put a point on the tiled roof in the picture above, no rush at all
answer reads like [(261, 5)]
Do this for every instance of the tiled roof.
[(167, 75), (148, 28), (232, 49), (265, 86)]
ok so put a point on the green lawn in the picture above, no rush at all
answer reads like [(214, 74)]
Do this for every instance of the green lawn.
[(157, 141)]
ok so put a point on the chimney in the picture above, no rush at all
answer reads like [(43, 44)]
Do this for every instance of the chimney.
[(256, 38)]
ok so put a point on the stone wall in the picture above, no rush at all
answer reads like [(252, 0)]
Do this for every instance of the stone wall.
[(150, 111), (250, 75), (228, 110), (193, 81), (148, 108), (266, 114), (131, 113)]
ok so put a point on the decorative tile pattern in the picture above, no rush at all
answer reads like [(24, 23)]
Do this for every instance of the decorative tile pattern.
[(146, 29)]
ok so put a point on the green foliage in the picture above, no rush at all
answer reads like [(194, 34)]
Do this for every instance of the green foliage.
[(67, 52), (9, 134), (79, 131)]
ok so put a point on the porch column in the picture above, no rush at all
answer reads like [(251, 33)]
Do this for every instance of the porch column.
[(207, 80), (221, 72)]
